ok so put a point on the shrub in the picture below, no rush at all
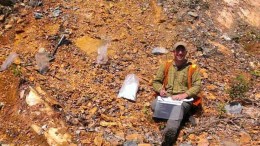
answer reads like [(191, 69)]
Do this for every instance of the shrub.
[(239, 87), (221, 108), (16, 70), (256, 73)]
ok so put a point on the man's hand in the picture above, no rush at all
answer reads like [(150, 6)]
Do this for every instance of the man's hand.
[(163, 93), (179, 96)]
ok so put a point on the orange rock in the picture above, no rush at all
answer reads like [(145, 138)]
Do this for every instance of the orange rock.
[(86, 141), (244, 138), (144, 144), (192, 137), (134, 137), (203, 142), (107, 124), (98, 141), (257, 96), (93, 111), (210, 96), (211, 87), (204, 73)]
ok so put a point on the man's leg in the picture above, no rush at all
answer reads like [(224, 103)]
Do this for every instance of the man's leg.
[(174, 122)]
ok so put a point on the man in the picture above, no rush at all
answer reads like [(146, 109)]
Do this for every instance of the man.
[(178, 89)]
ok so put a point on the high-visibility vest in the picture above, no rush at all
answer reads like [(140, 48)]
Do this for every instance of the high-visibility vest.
[(191, 70)]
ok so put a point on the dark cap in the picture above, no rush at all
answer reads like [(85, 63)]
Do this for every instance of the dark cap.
[(179, 44)]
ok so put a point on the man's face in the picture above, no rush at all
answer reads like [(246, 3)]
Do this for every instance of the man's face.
[(179, 53)]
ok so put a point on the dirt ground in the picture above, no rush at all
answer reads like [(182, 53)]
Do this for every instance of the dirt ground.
[(78, 97)]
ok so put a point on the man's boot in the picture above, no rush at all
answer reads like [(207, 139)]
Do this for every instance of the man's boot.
[(170, 137)]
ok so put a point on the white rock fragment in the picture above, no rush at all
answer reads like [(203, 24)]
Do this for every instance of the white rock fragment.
[(33, 98), (226, 37)]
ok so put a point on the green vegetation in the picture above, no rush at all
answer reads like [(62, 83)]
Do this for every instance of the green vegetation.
[(239, 87), (255, 73), (16, 70), (221, 108)]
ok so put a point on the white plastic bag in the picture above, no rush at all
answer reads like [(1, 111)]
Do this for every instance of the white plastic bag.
[(159, 50), (130, 87), (42, 61), (102, 54), (9, 60), (233, 108)]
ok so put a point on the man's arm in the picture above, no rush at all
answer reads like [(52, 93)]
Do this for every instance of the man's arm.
[(196, 84), (158, 80), (194, 90)]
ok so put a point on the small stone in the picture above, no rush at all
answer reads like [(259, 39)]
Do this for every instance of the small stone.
[(1, 105), (136, 137), (116, 57), (130, 143), (44, 127), (23, 12), (210, 96), (17, 61), (192, 137), (56, 12), (8, 26), (212, 87), (2, 18), (144, 144), (120, 135), (245, 138), (229, 143), (193, 14), (31, 78), (86, 141), (251, 111), (35, 3), (38, 15), (226, 37), (82, 128), (75, 121), (257, 96), (22, 94), (204, 73), (252, 65), (190, 30), (77, 132), (20, 20), (98, 141), (203, 142), (185, 144)]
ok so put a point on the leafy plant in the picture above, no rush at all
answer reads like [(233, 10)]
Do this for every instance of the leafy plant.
[(221, 108), (16, 70), (239, 87), (256, 73), (145, 110)]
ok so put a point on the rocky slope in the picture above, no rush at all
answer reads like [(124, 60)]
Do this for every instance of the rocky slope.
[(77, 98)]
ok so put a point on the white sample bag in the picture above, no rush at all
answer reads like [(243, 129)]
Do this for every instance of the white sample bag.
[(130, 87), (42, 61), (159, 50), (102, 54), (9, 60)]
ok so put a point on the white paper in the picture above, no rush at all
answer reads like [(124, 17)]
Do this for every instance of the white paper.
[(165, 105), (169, 100)]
